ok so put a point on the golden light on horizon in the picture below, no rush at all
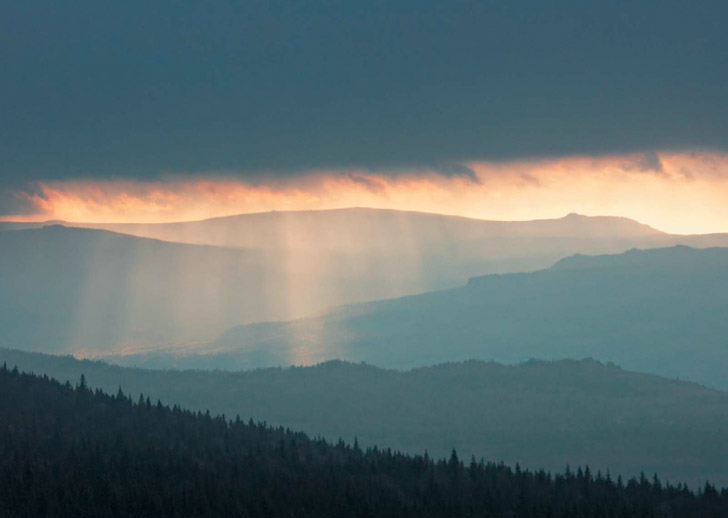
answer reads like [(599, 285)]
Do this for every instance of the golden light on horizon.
[(674, 192)]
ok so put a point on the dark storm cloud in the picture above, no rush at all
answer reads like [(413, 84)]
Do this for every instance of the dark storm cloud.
[(133, 89), (651, 162), (454, 169), (11, 203)]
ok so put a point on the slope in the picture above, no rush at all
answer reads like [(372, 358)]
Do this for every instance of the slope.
[(78, 289), (661, 311), (75, 452), (541, 414)]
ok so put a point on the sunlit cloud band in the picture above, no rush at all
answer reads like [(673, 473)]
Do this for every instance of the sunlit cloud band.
[(675, 192)]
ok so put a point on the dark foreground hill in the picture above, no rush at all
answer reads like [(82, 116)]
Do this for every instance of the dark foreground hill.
[(541, 414), (79, 453), (661, 311)]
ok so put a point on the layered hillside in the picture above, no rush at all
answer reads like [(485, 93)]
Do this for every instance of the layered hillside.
[(661, 311), (540, 414)]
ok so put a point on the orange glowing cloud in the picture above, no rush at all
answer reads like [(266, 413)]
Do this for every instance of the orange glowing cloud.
[(676, 192)]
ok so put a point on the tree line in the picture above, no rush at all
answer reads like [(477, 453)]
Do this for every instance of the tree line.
[(71, 451)]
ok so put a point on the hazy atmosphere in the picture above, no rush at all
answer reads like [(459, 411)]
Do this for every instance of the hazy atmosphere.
[(428, 258)]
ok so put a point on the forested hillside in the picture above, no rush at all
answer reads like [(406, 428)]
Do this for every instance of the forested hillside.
[(541, 414), (76, 452)]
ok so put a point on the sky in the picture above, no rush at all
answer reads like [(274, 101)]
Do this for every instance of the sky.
[(161, 111)]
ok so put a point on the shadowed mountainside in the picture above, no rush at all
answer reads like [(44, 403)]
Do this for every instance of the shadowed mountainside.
[(661, 311), (93, 291), (400, 253), (541, 414), (79, 289), (366, 254)]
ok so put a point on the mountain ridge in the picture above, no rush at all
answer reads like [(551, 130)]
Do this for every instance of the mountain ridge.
[(116, 281), (343, 210), (661, 312)]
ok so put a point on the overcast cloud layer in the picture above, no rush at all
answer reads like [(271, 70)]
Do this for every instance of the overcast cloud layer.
[(113, 90)]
